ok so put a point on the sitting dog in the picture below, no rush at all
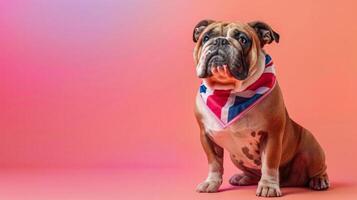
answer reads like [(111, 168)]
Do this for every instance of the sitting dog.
[(240, 107)]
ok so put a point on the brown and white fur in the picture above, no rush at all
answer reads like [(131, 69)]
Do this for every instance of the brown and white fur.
[(268, 147)]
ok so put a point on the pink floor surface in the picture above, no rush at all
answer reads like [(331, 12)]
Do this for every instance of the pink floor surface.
[(90, 184)]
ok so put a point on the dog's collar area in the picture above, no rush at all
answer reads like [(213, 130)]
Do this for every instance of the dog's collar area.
[(228, 105)]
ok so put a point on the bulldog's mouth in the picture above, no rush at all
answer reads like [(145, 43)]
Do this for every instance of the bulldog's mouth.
[(236, 69), (214, 59), (218, 57)]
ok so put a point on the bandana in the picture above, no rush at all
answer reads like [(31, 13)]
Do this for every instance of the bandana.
[(228, 106)]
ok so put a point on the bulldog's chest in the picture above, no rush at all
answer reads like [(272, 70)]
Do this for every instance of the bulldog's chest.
[(242, 139)]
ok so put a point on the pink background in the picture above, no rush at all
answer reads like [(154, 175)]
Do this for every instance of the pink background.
[(111, 84)]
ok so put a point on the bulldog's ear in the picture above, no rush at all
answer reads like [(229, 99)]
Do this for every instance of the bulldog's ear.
[(197, 31), (265, 33)]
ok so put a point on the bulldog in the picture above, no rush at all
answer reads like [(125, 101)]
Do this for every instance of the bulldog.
[(240, 108)]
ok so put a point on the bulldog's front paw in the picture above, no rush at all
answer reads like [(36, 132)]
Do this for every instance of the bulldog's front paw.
[(268, 189), (209, 186)]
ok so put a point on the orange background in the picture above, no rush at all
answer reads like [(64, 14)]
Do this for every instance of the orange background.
[(111, 84)]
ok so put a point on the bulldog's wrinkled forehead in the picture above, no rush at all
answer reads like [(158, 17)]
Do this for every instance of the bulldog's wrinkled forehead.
[(225, 29)]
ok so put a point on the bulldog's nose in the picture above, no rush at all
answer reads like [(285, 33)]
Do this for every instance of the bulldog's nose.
[(220, 42)]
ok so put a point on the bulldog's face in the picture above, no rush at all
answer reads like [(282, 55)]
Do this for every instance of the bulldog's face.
[(229, 48)]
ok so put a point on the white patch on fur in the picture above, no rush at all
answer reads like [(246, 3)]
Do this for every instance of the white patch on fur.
[(268, 185), (214, 176), (271, 175), (213, 180)]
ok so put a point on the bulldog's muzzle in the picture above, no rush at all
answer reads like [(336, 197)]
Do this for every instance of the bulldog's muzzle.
[(220, 51)]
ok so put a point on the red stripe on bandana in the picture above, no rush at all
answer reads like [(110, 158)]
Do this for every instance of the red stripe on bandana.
[(217, 100), (266, 79)]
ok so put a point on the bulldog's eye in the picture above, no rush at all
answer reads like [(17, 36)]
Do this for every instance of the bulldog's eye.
[(243, 40), (205, 38)]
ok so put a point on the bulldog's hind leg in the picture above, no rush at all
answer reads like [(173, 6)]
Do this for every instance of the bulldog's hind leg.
[(319, 182), (301, 172), (308, 167), (317, 172), (247, 177), (295, 173), (318, 179), (243, 179)]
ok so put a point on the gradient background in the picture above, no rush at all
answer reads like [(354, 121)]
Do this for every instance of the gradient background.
[(96, 96)]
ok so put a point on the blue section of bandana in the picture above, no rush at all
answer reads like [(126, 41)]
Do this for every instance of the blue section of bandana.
[(267, 59), (203, 89), (240, 104)]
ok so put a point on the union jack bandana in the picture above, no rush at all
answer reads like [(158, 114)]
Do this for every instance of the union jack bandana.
[(228, 106)]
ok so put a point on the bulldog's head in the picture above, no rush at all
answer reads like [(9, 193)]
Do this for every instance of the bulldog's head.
[(230, 52)]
